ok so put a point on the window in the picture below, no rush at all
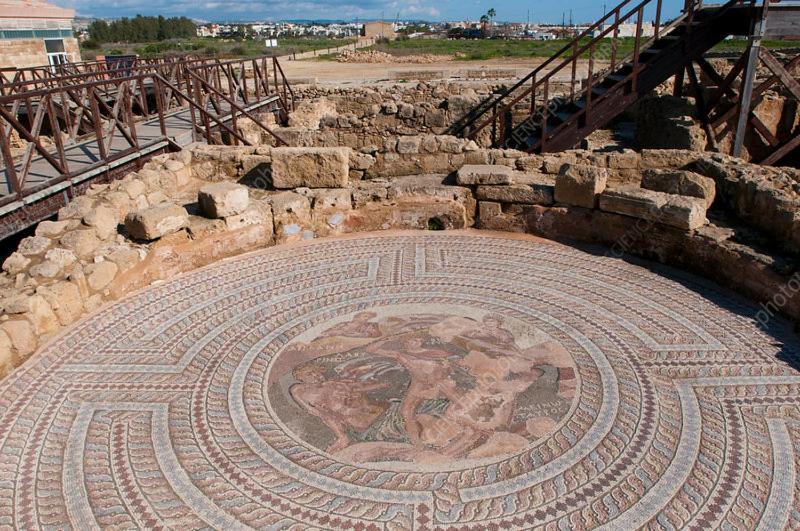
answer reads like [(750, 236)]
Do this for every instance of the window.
[(35, 34), (56, 54)]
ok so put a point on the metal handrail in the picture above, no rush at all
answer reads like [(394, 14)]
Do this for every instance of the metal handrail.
[(83, 110), (619, 19), (499, 108)]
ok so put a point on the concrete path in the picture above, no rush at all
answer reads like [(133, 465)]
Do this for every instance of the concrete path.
[(410, 381)]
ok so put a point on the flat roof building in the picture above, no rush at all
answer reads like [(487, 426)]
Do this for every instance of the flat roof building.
[(34, 33), (379, 30)]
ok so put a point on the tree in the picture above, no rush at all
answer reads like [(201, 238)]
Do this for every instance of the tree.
[(142, 29), (490, 17)]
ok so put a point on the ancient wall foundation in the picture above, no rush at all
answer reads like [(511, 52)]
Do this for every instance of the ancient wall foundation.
[(707, 214)]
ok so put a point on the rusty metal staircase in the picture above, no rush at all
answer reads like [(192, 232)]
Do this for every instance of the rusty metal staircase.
[(551, 123)]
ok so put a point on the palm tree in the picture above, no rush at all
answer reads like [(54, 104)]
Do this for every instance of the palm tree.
[(491, 14)]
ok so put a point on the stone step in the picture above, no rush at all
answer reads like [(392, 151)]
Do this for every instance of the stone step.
[(688, 213), (484, 174)]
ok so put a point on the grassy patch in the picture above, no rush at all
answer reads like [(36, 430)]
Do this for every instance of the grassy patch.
[(479, 50), (215, 47)]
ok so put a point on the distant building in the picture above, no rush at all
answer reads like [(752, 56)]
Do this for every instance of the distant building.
[(628, 30), (208, 30), (379, 29), (34, 33)]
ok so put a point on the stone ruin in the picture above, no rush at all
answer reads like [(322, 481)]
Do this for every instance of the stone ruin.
[(373, 163)]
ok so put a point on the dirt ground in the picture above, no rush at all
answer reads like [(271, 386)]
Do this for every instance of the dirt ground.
[(332, 72)]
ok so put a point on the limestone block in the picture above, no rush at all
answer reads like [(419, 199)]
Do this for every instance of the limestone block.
[(369, 192), (82, 242), (495, 216), (41, 315), (174, 165), (14, 304), (484, 174), (362, 161), (290, 202), (255, 215), (294, 167), (451, 144), (256, 163), (51, 228), (686, 213), (580, 185), (633, 201), (125, 258), (63, 258), (668, 158), (680, 182), (65, 300), (46, 269), (133, 187), (334, 198), (15, 263), (120, 202), (530, 163), (220, 200), (291, 214), (76, 209), (33, 245), (104, 221), (429, 144), (155, 222), (7, 360), (21, 334), (101, 274), (553, 163), (530, 194), (408, 144), (627, 160), (405, 110)]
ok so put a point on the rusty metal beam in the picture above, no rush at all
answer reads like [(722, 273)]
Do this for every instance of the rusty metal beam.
[(700, 101), (782, 151), (748, 77)]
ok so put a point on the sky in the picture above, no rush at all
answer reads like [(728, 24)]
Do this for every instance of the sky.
[(432, 10)]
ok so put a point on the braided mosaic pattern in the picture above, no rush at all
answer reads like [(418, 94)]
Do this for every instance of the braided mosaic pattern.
[(202, 402)]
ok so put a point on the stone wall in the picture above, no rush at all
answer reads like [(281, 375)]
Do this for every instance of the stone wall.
[(206, 203), (365, 116), (20, 53)]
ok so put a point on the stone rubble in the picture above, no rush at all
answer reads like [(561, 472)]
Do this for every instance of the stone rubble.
[(376, 56)]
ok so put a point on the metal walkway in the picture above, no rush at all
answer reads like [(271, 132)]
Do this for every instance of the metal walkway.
[(109, 125)]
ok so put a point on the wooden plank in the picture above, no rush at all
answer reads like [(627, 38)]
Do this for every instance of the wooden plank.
[(701, 106), (780, 72), (782, 151), (763, 130)]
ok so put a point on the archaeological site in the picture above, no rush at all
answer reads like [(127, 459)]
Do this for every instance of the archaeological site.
[(233, 297)]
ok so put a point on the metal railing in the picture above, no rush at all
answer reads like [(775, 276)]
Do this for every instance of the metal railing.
[(603, 36), (106, 115)]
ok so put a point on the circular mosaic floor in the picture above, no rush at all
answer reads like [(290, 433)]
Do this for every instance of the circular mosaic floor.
[(462, 381)]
